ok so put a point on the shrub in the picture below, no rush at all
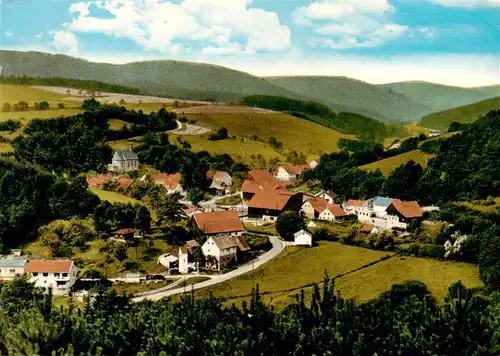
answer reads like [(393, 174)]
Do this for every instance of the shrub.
[(130, 265)]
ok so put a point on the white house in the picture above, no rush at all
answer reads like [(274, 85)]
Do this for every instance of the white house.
[(329, 195), (224, 249), (332, 212), (9, 268), (289, 173), (221, 183), (184, 252), (354, 206), (124, 161), (435, 133), (379, 205), (314, 163), (395, 145), (312, 208), (302, 238), (60, 275)]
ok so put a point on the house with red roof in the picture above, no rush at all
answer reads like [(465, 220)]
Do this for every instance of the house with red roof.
[(224, 250), (218, 222), (58, 275), (332, 212), (170, 182), (401, 213), (353, 206), (290, 173), (97, 182), (268, 205)]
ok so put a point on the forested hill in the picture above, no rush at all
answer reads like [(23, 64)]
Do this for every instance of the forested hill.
[(355, 96), (463, 114), (364, 127), (89, 85), (440, 97), (176, 79)]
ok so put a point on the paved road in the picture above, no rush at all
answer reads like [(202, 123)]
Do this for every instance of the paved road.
[(278, 247)]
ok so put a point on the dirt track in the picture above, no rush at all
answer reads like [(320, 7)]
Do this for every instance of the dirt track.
[(221, 109)]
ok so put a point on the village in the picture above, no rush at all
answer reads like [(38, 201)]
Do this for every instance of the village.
[(263, 197)]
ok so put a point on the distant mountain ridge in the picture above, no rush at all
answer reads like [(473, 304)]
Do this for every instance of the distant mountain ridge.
[(390, 103), (440, 97)]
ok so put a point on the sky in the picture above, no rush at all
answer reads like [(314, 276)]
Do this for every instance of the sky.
[(453, 42)]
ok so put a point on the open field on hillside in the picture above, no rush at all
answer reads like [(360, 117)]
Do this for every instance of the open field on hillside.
[(236, 148), (297, 267), (5, 147), (221, 109), (483, 205), (114, 197), (14, 93), (464, 114), (387, 165), (407, 131), (115, 124), (294, 133)]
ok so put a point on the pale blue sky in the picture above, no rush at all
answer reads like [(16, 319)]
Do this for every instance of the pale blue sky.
[(448, 41)]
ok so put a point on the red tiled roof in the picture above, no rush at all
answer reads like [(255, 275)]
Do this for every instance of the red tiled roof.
[(353, 202), (124, 183), (49, 266), (260, 175), (97, 181), (225, 242), (409, 209), (217, 222), (123, 232), (318, 204), (189, 209), (336, 210), (168, 181), (271, 200), (366, 228), (297, 169), (189, 245)]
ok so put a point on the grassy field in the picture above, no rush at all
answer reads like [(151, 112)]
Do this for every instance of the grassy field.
[(296, 267), (300, 266), (464, 114), (134, 288), (388, 164), (115, 124), (294, 133), (13, 93), (483, 205), (114, 197), (5, 147), (232, 200), (267, 228)]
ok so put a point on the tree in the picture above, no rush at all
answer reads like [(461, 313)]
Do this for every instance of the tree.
[(6, 107), (60, 106), (289, 223), (196, 195), (168, 208), (142, 219), (221, 134), (403, 182)]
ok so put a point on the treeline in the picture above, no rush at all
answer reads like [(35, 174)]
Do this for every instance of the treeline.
[(30, 198), (140, 123), (10, 125), (364, 127), (90, 85), (77, 143), (406, 320)]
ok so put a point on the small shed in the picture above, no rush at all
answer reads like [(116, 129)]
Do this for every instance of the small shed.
[(369, 229), (302, 238)]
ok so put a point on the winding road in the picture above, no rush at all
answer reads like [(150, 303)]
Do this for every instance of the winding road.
[(278, 247)]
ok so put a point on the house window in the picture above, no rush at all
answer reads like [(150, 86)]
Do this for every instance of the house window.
[(56, 274), (65, 275), (45, 274), (12, 270), (35, 274)]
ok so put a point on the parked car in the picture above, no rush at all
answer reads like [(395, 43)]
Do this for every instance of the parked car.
[(150, 277)]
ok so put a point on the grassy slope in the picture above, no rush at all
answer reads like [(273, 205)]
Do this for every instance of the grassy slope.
[(165, 78), (485, 208), (292, 269), (440, 97), (114, 197), (355, 96), (295, 133), (388, 164), (464, 114)]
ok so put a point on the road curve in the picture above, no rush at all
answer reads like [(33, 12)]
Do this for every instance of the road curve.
[(278, 247)]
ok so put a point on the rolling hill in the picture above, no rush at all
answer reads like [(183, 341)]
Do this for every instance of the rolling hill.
[(439, 97), (183, 80), (386, 166), (352, 95), (464, 114)]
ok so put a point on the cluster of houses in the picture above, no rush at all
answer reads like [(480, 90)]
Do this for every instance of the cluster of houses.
[(57, 275)]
